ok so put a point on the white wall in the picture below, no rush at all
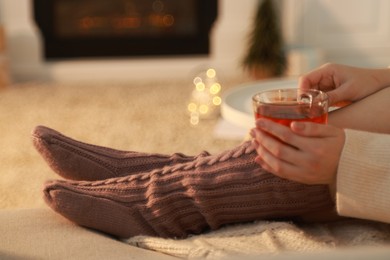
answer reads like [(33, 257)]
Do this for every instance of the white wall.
[(355, 32)]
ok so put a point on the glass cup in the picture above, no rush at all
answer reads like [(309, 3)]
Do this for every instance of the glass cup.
[(291, 104)]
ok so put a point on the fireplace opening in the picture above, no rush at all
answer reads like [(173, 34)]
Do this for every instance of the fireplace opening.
[(124, 28)]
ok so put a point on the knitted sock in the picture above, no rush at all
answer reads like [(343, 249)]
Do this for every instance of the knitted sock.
[(186, 198), (76, 160)]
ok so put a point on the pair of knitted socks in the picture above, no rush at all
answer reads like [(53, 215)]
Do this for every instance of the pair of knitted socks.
[(128, 193)]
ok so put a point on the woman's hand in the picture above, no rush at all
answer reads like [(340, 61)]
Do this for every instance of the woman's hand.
[(345, 83), (306, 152)]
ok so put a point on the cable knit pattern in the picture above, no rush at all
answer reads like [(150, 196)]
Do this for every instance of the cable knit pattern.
[(187, 198), (245, 148), (77, 160)]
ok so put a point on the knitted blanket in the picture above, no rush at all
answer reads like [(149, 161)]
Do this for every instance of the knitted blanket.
[(264, 237), (148, 117)]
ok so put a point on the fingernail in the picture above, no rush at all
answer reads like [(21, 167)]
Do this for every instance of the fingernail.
[(259, 160)]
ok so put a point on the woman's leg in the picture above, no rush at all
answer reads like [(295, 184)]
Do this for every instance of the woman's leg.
[(206, 192), (186, 198), (76, 160), (369, 114)]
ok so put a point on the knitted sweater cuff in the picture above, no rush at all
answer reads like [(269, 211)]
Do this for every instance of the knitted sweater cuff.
[(363, 178)]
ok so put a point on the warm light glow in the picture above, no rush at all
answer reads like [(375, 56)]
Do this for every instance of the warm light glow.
[(194, 120), (203, 109), (215, 88), (205, 98), (168, 20), (197, 80), (192, 107), (217, 101), (160, 21), (211, 73), (117, 23), (200, 86), (87, 23), (126, 22)]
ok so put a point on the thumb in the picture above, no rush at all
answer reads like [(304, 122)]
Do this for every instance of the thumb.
[(333, 96), (337, 95)]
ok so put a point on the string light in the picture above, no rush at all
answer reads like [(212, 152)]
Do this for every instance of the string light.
[(215, 88), (217, 101), (211, 73), (205, 99), (200, 87)]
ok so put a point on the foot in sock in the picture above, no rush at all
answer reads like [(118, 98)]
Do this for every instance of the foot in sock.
[(186, 198), (76, 160)]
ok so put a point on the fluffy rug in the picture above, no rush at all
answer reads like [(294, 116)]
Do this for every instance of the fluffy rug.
[(149, 117)]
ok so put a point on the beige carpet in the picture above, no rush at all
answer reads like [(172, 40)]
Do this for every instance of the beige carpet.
[(148, 117)]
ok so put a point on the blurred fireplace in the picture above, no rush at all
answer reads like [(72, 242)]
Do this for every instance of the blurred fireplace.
[(124, 28)]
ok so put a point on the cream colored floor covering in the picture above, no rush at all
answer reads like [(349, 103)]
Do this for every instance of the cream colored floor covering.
[(149, 117)]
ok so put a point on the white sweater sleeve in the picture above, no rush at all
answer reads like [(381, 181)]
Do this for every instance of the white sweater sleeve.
[(363, 178)]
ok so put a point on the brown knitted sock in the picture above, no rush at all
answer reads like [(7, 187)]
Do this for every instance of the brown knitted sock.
[(187, 198), (76, 160)]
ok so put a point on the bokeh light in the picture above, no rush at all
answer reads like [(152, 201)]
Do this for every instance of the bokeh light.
[(205, 99)]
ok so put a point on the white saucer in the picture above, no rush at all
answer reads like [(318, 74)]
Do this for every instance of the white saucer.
[(236, 106)]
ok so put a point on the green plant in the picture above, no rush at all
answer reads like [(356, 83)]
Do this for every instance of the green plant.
[(265, 56)]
